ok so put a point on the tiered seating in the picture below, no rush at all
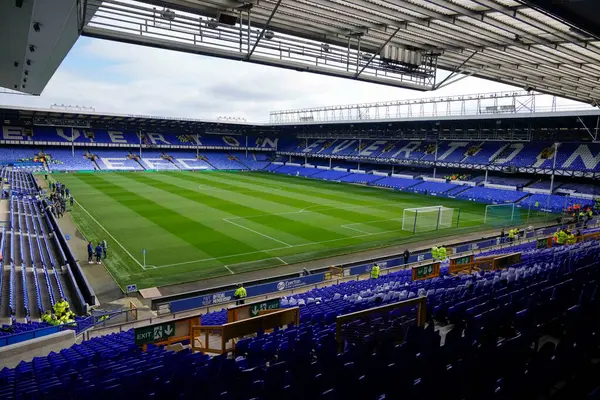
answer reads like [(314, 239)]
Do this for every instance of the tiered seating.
[(361, 178), (331, 175), (222, 161), (187, 160), (116, 160), (273, 167), (485, 154), (509, 181), (16, 154), (33, 238), (456, 190), (152, 159), (62, 159), (526, 156), (489, 195), (554, 202), (582, 188), (254, 161), (19, 327), (20, 182), (498, 319), (433, 187), (396, 183)]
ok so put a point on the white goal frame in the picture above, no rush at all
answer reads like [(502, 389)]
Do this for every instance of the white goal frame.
[(492, 206), (410, 223)]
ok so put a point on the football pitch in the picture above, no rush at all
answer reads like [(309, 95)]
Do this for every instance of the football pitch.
[(197, 225)]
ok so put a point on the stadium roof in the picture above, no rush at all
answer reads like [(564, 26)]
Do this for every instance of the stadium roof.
[(400, 43), (501, 40)]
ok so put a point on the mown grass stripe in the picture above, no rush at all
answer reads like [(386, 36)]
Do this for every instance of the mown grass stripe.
[(332, 216), (276, 222), (178, 225)]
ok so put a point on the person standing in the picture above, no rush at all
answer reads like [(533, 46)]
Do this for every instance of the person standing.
[(72, 201), (240, 294), (104, 249), (90, 249), (375, 271), (99, 254), (406, 255)]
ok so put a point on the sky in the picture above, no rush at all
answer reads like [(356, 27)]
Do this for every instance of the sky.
[(121, 78)]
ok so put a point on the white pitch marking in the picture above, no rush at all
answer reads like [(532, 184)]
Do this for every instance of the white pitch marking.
[(280, 248), (348, 226), (279, 258), (326, 208), (258, 233), (229, 270), (111, 236)]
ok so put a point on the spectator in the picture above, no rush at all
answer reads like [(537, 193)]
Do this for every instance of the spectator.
[(90, 249), (98, 253)]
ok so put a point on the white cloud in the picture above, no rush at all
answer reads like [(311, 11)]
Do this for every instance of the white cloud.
[(129, 79)]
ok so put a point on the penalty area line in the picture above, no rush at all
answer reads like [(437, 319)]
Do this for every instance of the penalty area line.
[(256, 232), (111, 236)]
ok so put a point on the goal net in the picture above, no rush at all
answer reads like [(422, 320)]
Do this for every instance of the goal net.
[(502, 215), (423, 219)]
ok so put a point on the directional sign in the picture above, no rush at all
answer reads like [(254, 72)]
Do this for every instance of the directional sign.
[(153, 333), (426, 271), (272, 304), (131, 288)]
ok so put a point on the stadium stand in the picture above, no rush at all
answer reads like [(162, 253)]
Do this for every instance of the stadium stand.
[(33, 254), (254, 161), (152, 159), (554, 202), (489, 195), (117, 160), (61, 159), (498, 318), (433, 187)]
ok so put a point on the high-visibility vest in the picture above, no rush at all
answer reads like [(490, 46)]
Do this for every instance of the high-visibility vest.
[(562, 237), (435, 252), (375, 271), (240, 293), (442, 253)]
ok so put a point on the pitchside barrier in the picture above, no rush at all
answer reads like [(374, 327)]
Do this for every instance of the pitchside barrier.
[(288, 286)]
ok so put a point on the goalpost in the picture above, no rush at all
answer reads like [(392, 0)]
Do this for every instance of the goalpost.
[(501, 214), (423, 219)]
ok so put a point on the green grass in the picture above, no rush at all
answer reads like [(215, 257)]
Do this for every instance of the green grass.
[(197, 225)]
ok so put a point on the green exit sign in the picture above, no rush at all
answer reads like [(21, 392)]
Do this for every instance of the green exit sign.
[(424, 270), (153, 333), (272, 304)]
